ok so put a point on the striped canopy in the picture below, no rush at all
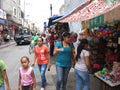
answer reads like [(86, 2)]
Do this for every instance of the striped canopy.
[(90, 10)]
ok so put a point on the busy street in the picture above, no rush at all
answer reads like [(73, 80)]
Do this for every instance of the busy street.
[(59, 45), (14, 53)]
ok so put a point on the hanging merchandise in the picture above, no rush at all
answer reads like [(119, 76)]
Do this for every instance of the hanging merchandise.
[(85, 33)]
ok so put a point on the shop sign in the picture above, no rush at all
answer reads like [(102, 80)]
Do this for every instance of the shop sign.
[(2, 14), (109, 2), (97, 21)]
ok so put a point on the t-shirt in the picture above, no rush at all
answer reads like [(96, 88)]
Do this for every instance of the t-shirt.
[(80, 65), (44, 40), (35, 39), (41, 54), (64, 58), (2, 67)]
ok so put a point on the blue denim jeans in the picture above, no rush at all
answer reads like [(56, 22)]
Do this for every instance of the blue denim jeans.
[(82, 79), (42, 69), (62, 75), (2, 87)]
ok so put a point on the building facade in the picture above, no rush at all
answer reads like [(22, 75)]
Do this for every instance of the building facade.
[(70, 5), (13, 15)]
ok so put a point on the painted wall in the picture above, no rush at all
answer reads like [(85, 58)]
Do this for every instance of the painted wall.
[(71, 5)]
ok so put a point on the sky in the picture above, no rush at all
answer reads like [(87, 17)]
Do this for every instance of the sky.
[(39, 10)]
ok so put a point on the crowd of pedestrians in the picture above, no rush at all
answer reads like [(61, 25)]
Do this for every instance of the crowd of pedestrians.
[(66, 58)]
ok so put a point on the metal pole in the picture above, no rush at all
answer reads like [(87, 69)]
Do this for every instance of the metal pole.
[(51, 9), (0, 4), (24, 14)]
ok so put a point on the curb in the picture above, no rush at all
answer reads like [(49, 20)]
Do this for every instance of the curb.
[(8, 44)]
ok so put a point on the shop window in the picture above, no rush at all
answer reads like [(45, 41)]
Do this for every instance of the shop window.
[(14, 11)]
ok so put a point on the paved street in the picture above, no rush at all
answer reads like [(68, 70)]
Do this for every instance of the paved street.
[(11, 55)]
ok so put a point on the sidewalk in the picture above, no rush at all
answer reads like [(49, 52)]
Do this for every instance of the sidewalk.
[(7, 44), (51, 76), (51, 79)]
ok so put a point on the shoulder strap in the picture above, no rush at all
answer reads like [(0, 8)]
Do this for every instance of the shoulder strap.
[(61, 43)]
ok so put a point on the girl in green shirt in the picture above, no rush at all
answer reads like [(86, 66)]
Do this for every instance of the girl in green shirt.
[(3, 76)]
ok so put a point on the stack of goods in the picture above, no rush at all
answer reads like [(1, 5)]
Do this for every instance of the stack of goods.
[(113, 76)]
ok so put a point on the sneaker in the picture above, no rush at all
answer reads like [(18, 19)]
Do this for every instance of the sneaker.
[(42, 89)]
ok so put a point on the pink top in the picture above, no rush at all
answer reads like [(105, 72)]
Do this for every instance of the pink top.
[(26, 78)]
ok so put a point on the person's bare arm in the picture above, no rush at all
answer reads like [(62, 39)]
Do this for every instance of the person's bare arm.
[(4, 73), (73, 57), (19, 81), (49, 61), (87, 62), (48, 56), (55, 50), (34, 80), (34, 61)]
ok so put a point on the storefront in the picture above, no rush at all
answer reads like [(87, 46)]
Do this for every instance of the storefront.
[(101, 25)]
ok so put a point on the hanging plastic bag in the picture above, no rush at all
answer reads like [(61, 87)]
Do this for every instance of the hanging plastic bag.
[(34, 70)]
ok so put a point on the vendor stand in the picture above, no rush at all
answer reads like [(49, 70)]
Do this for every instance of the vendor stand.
[(107, 84), (105, 56), (110, 80), (104, 42)]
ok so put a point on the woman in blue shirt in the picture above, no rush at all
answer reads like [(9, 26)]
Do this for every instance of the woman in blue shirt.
[(63, 49)]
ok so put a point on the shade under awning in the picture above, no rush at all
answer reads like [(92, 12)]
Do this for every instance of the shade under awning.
[(50, 23), (52, 18), (89, 10)]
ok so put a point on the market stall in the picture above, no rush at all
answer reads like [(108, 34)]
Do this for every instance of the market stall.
[(107, 84), (104, 42), (101, 28)]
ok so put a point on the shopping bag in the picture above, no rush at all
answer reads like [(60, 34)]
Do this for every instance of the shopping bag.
[(34, 70)]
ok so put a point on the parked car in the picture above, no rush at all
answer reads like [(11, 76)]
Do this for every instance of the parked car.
[(23, 38)]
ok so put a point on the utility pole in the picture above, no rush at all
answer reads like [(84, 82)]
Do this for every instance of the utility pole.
[(24, 3), (0, 4), (51, 9)]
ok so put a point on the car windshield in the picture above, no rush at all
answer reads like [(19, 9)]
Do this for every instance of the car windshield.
[(25, 32)]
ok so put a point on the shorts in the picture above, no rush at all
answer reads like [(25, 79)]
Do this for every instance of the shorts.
[(2, 87), (29, 87)]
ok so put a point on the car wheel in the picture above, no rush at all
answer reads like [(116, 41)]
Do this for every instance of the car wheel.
[(18, 43)]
